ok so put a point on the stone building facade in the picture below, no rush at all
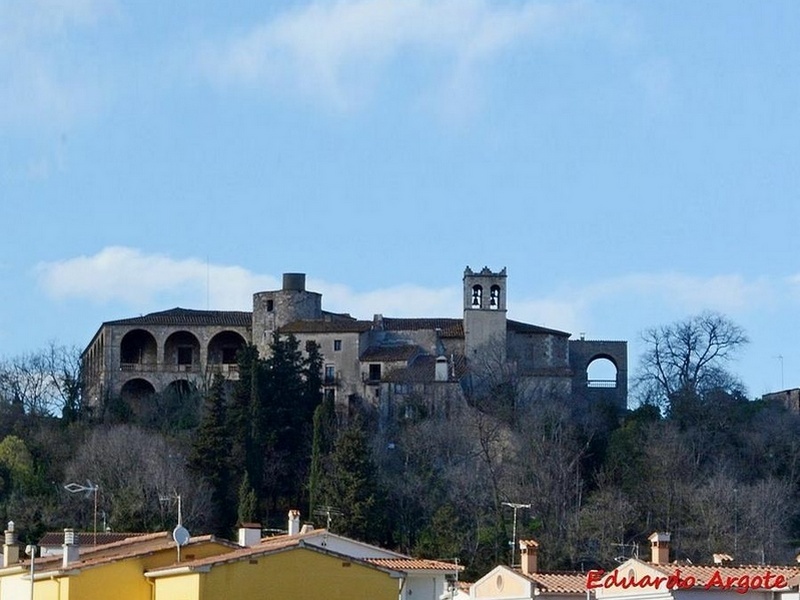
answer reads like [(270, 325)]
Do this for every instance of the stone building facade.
[(385, 362)]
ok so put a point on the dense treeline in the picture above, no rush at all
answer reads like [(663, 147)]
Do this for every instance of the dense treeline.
[(696, 458)]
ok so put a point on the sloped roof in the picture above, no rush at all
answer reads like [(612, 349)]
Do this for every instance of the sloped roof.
[(190, 317), (413, 564), (132, 547), (86, 539), (703, 573), (520, 327), (423, 370), (325, 326), (396, 353), (450, 328), (559, 583)]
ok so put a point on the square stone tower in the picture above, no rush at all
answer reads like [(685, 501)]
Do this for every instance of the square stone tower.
[(485, 313)]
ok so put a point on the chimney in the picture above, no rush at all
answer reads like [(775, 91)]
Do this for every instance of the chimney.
[(529, 556), (294, 282), (659, 548), (71, 551), (10, 548), (294, 522), (249, 534)]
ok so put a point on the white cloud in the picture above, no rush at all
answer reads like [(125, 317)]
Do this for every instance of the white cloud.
[(145, 282), (119, 274), (397, 301), (724, 293), (334, 51)]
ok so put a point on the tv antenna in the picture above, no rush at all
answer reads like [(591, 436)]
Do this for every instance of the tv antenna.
[(90, 488), (180, 534), (328, 512), (515, 506)]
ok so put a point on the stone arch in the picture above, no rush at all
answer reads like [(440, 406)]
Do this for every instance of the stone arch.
[(477, 296), (494, 297), (182, 350), (137, 390), (582, 354), (223, 348), (179, 388), (138, 347), (178, 405), (602, 371)]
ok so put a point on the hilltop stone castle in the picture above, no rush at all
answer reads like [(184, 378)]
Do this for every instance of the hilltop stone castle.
[(383, 362)]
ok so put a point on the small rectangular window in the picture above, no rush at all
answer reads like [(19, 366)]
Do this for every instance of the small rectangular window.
[(375, 372), (330, 374), (270, 305), (337, 345)]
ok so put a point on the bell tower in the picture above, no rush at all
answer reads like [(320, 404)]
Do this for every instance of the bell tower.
[(485, 313)]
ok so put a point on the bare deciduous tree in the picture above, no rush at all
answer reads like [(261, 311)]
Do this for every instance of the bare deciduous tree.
[(688, 358), (46, 382)]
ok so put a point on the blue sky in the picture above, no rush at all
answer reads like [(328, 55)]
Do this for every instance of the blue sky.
[(631, 163)]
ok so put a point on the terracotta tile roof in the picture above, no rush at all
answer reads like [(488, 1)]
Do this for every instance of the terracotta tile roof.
[(129, 548), (450, 328), (86, 539), (559, 583), (413, 564), (282, 543), (520, 327), (395, 353), (189, 317), (324, 326), (703, 573)]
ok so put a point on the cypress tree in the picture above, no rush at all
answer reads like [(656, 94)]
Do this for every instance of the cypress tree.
[(209, 458)]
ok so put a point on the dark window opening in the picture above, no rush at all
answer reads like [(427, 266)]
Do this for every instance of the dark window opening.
[(270, 305), (185, 355), (337, 345), (374, 372), (229, 356), (330, 374)]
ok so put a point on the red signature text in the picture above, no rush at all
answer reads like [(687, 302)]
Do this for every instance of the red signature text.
[(741, 584)]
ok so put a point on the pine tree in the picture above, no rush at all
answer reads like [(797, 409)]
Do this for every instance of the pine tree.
[(248, 502), (352, 487), (321, 446)]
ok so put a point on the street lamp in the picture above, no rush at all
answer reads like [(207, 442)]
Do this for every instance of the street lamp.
[(30, 550)]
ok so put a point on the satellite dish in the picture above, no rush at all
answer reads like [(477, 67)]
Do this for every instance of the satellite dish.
[(181, 535)]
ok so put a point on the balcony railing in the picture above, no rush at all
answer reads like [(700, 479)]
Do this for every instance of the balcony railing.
[(222, 368), (601, 383)]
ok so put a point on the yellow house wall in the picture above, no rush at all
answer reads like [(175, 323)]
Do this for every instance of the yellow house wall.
[(297, 574), (120, 580), (183, 587), (18, 586)]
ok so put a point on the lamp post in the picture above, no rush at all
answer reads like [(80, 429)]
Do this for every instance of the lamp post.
[(30, 550)]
